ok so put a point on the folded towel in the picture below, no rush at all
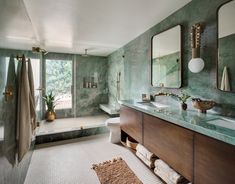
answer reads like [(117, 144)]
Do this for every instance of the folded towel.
[(149, 163), (168, 174), (225, 85), (146, 153)]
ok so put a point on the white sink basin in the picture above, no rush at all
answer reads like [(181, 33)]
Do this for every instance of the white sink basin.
[(226, 123), (159, 105)]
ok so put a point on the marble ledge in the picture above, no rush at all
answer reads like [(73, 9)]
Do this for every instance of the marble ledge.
[(211, 125)]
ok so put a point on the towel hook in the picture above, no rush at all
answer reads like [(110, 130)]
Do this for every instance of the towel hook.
[(8, 93)]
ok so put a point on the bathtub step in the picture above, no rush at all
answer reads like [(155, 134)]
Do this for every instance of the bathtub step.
[(52, 137)]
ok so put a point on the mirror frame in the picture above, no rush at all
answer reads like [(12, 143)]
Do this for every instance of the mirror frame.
[(181, 57), (217, 49)]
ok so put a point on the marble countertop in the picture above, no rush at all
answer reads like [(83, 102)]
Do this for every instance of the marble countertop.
[(212, 125)]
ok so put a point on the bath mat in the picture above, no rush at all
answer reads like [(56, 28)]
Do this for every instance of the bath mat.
[(115, 171)]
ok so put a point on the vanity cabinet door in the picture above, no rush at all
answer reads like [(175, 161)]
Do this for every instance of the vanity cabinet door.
[(131, 122), (214, 161), (171, 143)]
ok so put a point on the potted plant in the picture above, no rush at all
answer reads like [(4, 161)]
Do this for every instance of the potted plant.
[(50, 103), (182, 98)]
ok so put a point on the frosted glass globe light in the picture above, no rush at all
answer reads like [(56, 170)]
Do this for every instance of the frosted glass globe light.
[(196, 65)]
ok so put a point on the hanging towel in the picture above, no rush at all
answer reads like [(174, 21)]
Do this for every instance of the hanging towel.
[(168, 174), (145, 152), (10, 113), (32, 96), (18, 83), (225, 86), (23, 111), (149, 163)]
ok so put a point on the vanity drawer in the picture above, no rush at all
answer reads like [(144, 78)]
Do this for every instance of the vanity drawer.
[(214, 161), (171, 143), (131, 122)]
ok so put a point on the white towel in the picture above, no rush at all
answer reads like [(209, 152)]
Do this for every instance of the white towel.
[(32, 96), (149, 163), (167, 174), (24, 131), (225, 86), (145, 152)]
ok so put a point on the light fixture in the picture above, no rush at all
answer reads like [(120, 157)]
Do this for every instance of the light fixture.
[(39, 50), (196, 64)]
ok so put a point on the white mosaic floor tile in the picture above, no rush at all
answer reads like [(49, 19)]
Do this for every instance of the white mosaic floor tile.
[(69, 162)]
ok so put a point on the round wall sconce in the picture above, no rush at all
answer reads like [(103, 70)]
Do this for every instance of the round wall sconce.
[(196, 64)]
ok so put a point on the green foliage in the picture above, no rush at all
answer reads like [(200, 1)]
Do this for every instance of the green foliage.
[(59, 76), (182, 98), (50, 102)]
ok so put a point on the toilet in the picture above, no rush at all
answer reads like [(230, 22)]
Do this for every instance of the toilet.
[(113, 125)]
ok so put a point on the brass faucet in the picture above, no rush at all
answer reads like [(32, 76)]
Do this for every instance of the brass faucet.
[(159, 94), (162, 94)]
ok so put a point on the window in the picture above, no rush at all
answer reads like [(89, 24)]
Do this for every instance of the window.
[(36, 76), (59, 82)]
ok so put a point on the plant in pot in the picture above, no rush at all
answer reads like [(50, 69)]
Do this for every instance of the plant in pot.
[(182, 98), (50, 101)]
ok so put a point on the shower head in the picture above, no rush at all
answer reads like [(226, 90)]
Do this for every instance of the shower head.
[(39, 50)]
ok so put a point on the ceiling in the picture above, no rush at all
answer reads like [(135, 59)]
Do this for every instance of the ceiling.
[(71, 26)]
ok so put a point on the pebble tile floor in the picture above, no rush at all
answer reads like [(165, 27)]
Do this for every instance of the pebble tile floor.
[(70, 161)]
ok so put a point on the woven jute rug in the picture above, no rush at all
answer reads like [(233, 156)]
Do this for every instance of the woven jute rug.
[(115, 171)]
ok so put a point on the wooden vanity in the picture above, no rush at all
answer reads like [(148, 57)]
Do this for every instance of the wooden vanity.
[(199, 158)]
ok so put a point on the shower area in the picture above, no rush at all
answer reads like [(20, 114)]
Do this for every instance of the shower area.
[(115, 86), (113, 108), (77, 105)]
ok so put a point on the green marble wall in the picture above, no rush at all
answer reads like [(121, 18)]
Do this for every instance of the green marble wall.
[(166, 70), (137, 59), (116, 65), (227, 58), (88, 99)]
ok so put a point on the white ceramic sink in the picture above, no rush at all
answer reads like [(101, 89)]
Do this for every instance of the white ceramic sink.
[(159, 105), (224, 122)]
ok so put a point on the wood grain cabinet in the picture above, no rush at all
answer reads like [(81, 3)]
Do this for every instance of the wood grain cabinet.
[(171, 143), (214, 161), (200, 159), (131, 123)]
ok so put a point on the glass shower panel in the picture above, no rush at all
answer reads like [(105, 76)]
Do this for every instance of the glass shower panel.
[(37, 84), (7, 113)]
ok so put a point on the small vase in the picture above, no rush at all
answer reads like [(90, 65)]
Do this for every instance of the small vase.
[(50, 116), (184, 106)]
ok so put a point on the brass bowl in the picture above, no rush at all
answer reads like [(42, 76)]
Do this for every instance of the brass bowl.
[(202, 105)]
